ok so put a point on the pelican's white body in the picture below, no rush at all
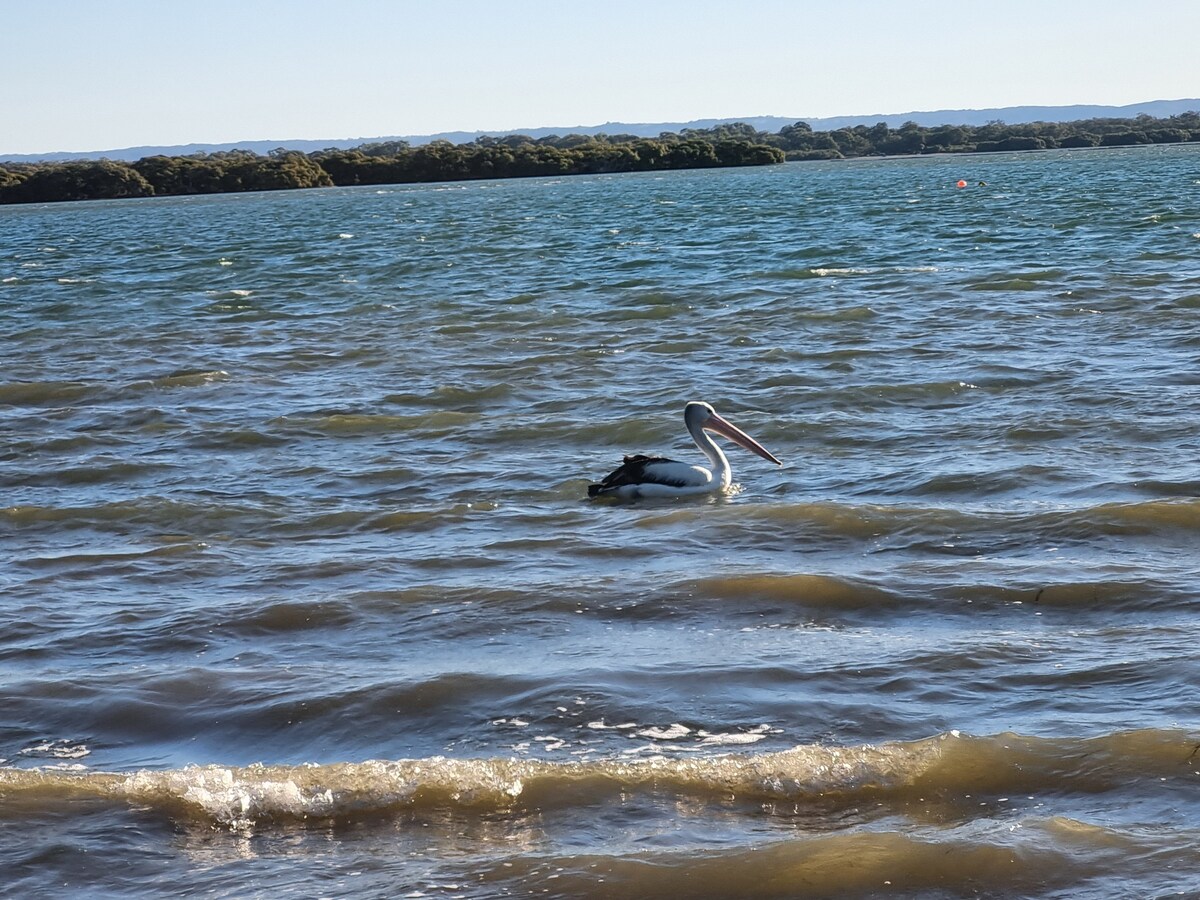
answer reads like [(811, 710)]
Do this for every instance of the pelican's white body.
[(675, 479)]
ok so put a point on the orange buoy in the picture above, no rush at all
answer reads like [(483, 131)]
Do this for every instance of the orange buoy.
[(961, 184)]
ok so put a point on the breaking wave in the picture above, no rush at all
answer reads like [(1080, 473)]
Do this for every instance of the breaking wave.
[(949, 765)]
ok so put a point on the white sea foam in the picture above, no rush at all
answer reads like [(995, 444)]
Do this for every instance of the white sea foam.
[(670, 733), (56, 749)]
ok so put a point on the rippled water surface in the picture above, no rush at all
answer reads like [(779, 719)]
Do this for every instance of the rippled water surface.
[(301, 595)]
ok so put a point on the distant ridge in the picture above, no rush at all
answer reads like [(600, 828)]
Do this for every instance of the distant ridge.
[(1011, 115)]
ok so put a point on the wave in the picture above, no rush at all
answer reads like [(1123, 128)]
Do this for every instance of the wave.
[(95, 560), (438, 423), (1019, 281), (816, 591), (846, 594), (185, 378), (454, 397), (96, 471), (803, 273), (1031, 858), (150, 511), (215, 516), (943, 537), (947, 767), (44, 393), (1173, 517)]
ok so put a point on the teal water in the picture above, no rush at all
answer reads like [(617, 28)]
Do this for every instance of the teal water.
[(302, 595)]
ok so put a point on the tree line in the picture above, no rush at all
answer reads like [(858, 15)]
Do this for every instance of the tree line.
[(799, 141), (517, 156), (389, 163)]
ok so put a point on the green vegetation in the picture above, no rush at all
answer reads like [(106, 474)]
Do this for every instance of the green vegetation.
[(801, 142), (382, 163), (519, 156)]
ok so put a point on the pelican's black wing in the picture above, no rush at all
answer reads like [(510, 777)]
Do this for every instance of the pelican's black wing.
[(634, 471)]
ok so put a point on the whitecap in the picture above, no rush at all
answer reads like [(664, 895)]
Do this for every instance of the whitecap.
[(725, 738), (670, 733), (57, 749), (825, 272)]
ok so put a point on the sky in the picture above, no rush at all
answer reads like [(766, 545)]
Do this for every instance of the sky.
[(83, 75)]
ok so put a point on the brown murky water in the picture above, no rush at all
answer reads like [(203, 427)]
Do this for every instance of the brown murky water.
[(301, 595)]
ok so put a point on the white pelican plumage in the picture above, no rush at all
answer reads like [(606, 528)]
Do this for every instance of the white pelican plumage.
[(656, 476)]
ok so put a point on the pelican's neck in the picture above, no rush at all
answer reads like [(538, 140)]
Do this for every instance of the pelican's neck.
[(710, 449)]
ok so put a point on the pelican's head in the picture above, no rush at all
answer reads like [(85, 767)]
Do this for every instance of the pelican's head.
[(696, 413), (700, 415)]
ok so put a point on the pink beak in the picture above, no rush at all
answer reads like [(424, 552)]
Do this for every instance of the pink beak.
[(725, 429)]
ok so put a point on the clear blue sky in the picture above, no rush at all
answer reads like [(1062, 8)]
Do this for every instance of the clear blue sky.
[(104, 74)]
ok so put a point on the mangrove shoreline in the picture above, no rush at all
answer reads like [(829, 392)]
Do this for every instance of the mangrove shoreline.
[(520, 156)]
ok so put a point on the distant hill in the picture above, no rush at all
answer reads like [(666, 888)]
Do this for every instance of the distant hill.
[(1011, 115)]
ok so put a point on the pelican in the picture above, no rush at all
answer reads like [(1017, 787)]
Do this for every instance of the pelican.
[(655, 476)]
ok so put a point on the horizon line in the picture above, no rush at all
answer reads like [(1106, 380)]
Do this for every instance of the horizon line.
[(566, 129)]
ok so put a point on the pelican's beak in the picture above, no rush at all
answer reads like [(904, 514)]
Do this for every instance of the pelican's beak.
[(735, 434)]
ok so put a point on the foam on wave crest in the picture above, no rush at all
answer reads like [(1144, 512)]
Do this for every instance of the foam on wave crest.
[(947, 764)]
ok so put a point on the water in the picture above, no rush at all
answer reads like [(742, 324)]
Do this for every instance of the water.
[(301, 596)]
